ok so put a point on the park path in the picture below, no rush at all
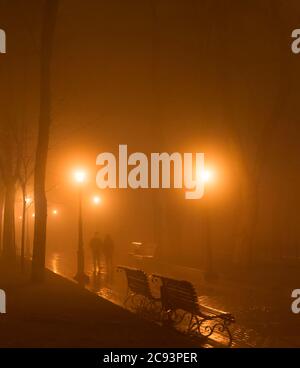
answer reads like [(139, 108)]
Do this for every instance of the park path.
[(262, 311)]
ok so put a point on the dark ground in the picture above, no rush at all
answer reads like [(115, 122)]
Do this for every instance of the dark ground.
[(60, 314)]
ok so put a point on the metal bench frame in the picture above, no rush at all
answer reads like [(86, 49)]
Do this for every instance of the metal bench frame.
[(179, 295), (139, 296)]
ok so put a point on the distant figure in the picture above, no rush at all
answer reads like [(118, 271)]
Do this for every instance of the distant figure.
[(109, 251), (96, 246)]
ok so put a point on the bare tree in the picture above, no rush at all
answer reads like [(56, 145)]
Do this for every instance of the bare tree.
[(39, 243), (25, 173), (2, 193), (9, 166), (251, 172)]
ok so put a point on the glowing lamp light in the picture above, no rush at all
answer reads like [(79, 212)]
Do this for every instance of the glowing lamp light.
[(97, 200), (206, 176), (80, 176), (28, 200), (33, 215), (54, 212)]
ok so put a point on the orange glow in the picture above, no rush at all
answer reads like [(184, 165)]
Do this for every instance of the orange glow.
[(80, 176), (28, 200), (54, 263), (54, 212), (207, 176), (97, 200)]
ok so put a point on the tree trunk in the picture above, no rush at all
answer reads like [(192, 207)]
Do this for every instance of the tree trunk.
[(251, 190), (9, 246), (1, 220), (39, 242), (23, 228)]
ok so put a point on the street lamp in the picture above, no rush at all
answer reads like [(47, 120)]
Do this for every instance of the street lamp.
[(80, 177), (28, 201), (97, 200), (207, 176)]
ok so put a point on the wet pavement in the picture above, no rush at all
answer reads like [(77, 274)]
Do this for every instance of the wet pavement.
[(263, 315)]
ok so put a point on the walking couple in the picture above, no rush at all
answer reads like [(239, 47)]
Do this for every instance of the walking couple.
[(102, 250)]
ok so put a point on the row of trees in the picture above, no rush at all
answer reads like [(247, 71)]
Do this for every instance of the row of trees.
[(23, 154), (240, 105)]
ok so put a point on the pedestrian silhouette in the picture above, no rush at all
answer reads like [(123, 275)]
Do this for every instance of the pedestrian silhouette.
[(96, 246)]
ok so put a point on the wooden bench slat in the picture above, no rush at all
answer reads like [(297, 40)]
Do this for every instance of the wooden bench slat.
[(137, 281)]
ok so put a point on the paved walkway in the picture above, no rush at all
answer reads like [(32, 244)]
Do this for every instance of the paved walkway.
[(263, 314), (261, 304)]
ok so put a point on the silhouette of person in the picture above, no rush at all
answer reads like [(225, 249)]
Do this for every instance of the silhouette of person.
[(109, 251), (96, 246)]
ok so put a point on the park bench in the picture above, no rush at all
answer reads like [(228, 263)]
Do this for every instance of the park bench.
[(179, 300), (139, 296)]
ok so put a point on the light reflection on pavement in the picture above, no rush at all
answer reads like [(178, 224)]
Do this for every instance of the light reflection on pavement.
[(262, 320)]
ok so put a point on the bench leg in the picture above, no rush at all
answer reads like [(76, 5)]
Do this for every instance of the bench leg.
[(192, 324), (127, 299), (208, 325)]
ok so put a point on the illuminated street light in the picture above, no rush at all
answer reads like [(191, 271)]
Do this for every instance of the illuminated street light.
[(54, 212), (80, 177), (28, 201), (97, 200), (207, 176)]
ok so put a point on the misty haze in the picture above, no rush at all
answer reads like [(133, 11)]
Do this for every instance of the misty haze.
[(101, 249)]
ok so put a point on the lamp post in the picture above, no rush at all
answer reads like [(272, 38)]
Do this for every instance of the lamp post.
[(207, 176), (80, 277)]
